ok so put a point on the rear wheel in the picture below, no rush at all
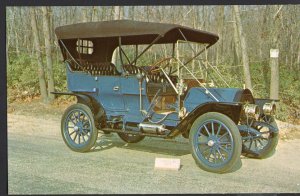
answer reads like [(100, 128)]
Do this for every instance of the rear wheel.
[(78, 128), (131, 138), (216, 142)]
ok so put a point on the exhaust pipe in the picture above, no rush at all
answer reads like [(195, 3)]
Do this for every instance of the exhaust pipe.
[(147, 127)]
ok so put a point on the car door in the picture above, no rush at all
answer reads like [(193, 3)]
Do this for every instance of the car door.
[(110, 93)]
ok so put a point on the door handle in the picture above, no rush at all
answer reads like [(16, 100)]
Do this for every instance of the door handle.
[(116, 88)]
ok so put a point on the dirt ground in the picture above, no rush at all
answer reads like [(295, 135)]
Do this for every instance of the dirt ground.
[(40, 163)]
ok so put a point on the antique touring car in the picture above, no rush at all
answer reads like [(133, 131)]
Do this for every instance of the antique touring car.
[(139, 79)]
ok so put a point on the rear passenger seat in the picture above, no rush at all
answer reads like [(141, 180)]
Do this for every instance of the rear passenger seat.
[(96, 68)]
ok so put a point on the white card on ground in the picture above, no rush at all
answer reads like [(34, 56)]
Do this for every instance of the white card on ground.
[(167, 163)]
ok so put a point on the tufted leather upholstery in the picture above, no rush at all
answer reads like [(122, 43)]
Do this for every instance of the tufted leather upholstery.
[(132, 69), (96, 68)]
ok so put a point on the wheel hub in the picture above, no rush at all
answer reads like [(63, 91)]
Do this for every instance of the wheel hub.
[(210, 143), (76, 128)]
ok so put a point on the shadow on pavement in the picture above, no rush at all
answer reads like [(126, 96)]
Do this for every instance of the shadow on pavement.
[(152, 145), (166, 149), (105, 142)]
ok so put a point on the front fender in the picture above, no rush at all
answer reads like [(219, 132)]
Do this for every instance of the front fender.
[(261, 102), (232, 110)]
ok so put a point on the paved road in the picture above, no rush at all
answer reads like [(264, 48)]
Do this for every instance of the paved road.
[(39, 162)]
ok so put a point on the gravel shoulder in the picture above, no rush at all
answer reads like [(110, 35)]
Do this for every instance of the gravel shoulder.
[(40, 163)]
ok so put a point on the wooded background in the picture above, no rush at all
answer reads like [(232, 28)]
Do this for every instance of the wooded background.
[(242, 54)]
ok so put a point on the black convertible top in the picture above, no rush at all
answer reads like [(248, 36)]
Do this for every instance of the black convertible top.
[(108, 35), (134, 32)]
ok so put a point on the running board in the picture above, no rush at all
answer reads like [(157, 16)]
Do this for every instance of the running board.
[(133, 132)]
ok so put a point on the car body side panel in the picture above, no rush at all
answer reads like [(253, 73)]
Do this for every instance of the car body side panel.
[(80, 81)]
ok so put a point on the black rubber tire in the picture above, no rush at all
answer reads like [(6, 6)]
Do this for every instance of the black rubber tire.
[(131, 138), (236, 138), (93, 130), (268, 150)]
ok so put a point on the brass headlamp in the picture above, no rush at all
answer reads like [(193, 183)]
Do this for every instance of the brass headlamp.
[(252, 111), (269, 108)]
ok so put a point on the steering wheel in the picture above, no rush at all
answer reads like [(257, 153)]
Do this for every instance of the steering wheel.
[(154, 68)]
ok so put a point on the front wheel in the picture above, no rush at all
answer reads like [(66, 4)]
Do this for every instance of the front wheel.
[(216, 142), (78, 128), (263, 146)]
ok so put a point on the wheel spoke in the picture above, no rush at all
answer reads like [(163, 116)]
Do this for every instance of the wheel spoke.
[(84, 123), (75, 137), (251, 141), (262, 138), (224, 142), (79, 139), (221, 147), (219, 129), (220, 154), (75, 117), (215, 155), (78, 115), (255, 144), (223, 135), (260, 142), (85, 132), (72, 133), (71, 120), (83, 117), (265, 119), (83, 138), (206, 149), (212, 128), (206, 130), (210, 151)]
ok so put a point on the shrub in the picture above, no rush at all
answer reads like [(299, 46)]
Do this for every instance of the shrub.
[(22, 73)]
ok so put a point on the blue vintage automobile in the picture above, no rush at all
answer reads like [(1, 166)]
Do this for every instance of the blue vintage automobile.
[(119, 90)]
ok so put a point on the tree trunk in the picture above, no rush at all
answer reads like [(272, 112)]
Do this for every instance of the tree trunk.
[(84, 15), (237, 48), (298, 61), (245, 57), (46, 31), (220, 22), (132, 14), (94, 11), (41, 74), (7, 56), (274, 83), (116, 52), (16, 36)]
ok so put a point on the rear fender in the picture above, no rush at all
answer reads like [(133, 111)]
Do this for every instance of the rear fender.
[(232, 110), (91, 102)]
